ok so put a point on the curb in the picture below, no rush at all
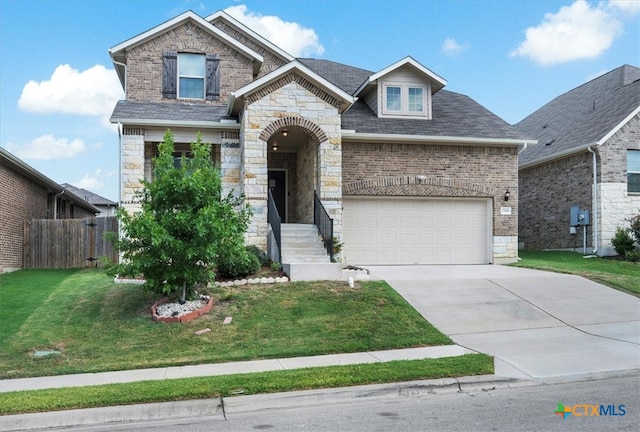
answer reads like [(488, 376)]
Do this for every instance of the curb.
[(242, 404)]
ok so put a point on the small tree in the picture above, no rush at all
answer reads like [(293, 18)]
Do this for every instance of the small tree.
[(635, 228), (184, 224)]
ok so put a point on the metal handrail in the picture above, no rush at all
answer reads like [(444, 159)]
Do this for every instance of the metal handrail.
[(275, 221), (324, 223)]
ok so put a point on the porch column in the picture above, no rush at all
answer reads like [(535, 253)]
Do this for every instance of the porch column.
[(253, 178), (132, 154)]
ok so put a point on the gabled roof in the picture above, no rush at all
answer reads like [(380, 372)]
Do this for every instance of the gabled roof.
[(585, 116), (118, 52), (346, 100), (90, 197), (16, 164), (437, 82), (222, 15)]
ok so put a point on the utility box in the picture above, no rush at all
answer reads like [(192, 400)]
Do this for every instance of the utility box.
[(579, 217)]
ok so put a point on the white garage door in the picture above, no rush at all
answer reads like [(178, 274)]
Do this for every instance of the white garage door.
[(416, 231)]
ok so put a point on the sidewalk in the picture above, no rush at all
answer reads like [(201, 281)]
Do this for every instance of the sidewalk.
[(87, 379)]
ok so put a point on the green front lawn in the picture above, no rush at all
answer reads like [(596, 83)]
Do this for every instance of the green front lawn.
[(246, 384), (101, 326), (621, 275)]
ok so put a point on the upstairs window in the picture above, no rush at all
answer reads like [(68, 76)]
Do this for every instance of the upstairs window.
[(394, 99), (633, 170), (404, 100), (190, 76)]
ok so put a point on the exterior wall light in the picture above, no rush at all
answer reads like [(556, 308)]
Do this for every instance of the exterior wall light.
[(285, 133), (275, 146), (507, 194)]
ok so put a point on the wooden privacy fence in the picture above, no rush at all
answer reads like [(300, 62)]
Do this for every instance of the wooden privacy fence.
[(68, 243)]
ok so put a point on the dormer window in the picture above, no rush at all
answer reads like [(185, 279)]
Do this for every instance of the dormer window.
[(404, 100), (191, 68)]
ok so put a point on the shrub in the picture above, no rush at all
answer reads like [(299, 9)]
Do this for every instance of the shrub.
[(259, 253), (633, 256), (237, 262), (635, 228), (622, 241)]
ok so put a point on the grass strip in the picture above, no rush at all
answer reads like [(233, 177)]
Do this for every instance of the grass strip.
[(620, 275), (254, 383)]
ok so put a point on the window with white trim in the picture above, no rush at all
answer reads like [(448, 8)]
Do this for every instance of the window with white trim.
[(633, 170), (191, 72), (404, 100)]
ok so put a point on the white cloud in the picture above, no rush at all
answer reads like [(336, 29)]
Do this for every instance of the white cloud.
[(575, 32), (92, 92), (93, 182), (295, 39), (451, 47), (630, 7), (47, 147)]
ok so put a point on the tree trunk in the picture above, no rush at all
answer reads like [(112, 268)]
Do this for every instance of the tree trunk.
[(183, 295)]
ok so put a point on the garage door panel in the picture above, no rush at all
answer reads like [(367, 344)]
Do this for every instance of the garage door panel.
[(415, 231)]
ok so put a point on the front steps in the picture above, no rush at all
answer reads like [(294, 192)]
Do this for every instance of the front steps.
[(302, 244)]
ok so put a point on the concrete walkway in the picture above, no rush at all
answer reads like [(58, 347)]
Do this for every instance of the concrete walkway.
[(125, 376), (537, 324)]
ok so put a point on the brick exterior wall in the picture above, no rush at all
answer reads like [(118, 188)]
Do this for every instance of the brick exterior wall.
[(435, 170), (144, 64), (270, 63), (547, 192), (20, 200)]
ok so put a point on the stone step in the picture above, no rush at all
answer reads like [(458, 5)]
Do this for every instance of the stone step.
[(293, 259)]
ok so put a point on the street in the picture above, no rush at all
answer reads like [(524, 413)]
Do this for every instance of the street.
[(523, 408)]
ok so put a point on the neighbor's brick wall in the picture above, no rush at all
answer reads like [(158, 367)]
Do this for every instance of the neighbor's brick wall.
[(547, 192), (144, 63), (20, 200), (448, 170)]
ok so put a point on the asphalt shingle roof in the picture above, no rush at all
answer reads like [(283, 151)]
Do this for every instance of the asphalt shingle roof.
[(583, 115), (454, 114), (90, 197), (176, 111)]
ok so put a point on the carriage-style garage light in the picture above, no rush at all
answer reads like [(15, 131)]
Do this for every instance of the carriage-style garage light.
[(507, 195)]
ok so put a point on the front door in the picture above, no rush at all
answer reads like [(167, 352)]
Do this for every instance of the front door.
[(278, 187)]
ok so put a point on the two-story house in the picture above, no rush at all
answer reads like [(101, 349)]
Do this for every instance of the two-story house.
[(409, 172)]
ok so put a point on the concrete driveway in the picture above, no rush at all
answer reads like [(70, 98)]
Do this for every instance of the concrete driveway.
[(537, 324)]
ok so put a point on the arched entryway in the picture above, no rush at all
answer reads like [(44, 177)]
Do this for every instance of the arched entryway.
[(293, 166)]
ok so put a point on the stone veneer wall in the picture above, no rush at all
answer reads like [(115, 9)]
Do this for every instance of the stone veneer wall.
[(616, 205), (307, 181), (300, 103)]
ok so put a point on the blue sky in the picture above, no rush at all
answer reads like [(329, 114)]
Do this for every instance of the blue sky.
[(58, 86)]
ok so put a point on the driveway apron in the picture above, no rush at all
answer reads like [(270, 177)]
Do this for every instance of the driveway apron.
[(536, 324)]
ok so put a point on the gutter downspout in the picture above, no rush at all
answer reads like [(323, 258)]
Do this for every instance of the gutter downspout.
[(594, 204), (120, 164), (55, 204)]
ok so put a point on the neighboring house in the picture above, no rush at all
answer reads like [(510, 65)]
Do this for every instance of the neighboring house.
[(410, 173), (27, 194), (106, 206), (589, 139)]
